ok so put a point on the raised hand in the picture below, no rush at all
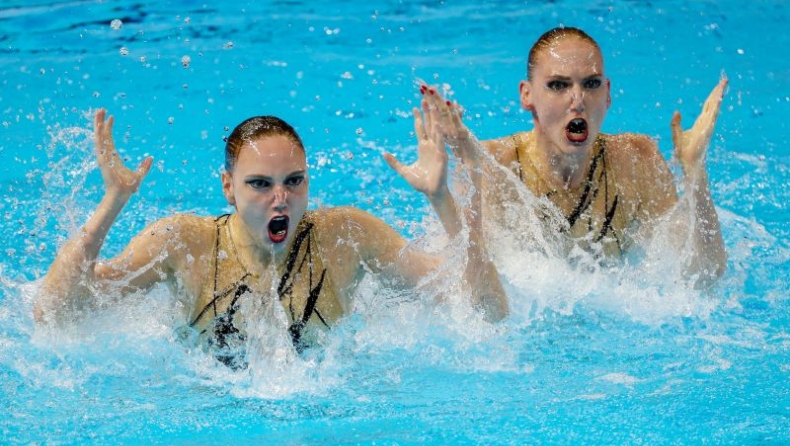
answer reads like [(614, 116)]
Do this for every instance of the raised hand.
[(456, 134), (691, 145), (429, 173), (118, 179)]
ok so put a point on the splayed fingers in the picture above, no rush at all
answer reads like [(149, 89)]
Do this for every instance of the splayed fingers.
[(449, 118), (429, 173), (117, 177)]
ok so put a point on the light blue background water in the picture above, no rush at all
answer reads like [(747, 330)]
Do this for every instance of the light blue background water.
[(586, 370)]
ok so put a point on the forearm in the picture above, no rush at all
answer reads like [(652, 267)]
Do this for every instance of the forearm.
[(67, 282), (709, 257), (446, 210), (481, 275)]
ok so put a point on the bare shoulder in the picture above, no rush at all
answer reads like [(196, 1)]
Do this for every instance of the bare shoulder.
[(504, 149), (346, 227), (345, 221), (641, 170), (637, 154), (183, 227), (178, 238), (633, 146)]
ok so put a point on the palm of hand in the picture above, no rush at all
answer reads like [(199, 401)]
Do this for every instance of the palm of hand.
[(117, 177), (429, 173), (450, 122), (691, 145)]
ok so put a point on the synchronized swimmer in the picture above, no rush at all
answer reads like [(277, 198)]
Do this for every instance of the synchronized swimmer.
[(314, 259), (610, 192)]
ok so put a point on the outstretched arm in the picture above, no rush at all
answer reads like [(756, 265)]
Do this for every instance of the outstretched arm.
[(429, 176), (709, 258), (71, 275)]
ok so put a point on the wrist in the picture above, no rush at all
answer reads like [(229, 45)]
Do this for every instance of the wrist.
[(440, 195)]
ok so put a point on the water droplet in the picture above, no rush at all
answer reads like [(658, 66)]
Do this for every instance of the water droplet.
[(228, 45), (360, 131), (142, 59), (116, 24), (741, 51), (124, 51), (227, 128), (170, 120), (185, 61)]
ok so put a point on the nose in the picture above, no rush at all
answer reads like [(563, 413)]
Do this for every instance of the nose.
[(280, 198), (577, 99)]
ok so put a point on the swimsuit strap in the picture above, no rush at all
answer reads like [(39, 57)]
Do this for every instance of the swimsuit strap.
[(606, 227), (224, 326), (597, 175), (584, 200), (285, 288), (222, 220), (518, 157)]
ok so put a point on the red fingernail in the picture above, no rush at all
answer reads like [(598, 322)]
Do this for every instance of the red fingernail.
[(449, 104), (431, 90)]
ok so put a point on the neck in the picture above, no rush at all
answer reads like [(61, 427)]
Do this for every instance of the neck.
[(255, 255), (558, 169)]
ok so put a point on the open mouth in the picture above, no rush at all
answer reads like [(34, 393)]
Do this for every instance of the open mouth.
[(576, 131), (278, 229)]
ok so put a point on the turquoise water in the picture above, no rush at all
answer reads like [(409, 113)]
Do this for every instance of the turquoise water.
[(623, 357)]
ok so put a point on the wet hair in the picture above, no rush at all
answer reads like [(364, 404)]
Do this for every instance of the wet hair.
[(551, 36), (255, 128)]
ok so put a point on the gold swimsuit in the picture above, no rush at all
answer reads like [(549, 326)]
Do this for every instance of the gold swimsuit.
[(596, 218), (215, 321)]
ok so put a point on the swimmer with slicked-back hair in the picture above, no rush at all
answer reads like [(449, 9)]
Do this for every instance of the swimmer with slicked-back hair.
[(271, 247), (607, 192)]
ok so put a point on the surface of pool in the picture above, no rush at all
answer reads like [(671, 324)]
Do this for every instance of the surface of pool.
[(585, 358)]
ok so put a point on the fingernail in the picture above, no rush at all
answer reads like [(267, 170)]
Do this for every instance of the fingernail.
[(449, 104), (431, 90)]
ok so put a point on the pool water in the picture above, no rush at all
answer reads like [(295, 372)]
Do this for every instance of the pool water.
[(623, 356)]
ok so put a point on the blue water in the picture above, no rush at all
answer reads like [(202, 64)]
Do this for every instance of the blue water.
[(585, 358)]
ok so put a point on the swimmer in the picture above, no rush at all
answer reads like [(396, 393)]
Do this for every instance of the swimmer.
[(610, 191), (313, 259)]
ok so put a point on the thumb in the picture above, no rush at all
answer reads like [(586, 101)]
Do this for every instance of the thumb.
[(677, 130), (394, 164), (145, 167)]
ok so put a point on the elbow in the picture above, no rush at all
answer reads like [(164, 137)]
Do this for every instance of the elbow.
[(493, 303), (708, 275), (47, 305), (497, 312), (38, 313), (41, 313)]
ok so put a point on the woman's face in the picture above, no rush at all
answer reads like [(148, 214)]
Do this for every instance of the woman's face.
[(568, 94), (268, 188)]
